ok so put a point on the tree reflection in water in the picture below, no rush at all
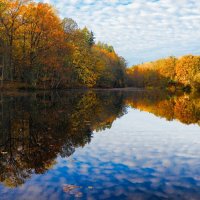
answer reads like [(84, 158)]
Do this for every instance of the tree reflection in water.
[(38, 127)]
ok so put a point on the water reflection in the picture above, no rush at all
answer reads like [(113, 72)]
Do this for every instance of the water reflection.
[(38, 131), (36, 128), (182, 107)]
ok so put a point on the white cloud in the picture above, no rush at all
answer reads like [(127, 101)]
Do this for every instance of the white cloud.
[(140, 30)]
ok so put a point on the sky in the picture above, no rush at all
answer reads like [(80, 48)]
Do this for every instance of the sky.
[(139, 30)]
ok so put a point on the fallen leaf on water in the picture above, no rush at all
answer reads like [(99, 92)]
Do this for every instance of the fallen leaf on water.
[(68, 188)]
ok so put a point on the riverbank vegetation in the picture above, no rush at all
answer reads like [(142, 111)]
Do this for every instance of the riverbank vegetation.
[(171, 73), (39, 50), (42, 50)]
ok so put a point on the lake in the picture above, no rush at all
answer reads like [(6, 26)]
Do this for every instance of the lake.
[(99, 144)]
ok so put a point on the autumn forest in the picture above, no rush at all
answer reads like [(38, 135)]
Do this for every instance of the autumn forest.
[(44, 51), (171, 73), (40, 50), (99, 99)]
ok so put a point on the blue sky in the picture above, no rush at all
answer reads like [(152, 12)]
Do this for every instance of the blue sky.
[(139, 30)]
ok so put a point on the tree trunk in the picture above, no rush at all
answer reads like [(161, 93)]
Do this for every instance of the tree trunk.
[(11, 58)]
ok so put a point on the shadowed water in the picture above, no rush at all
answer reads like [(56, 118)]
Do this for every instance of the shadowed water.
[(122, 144)]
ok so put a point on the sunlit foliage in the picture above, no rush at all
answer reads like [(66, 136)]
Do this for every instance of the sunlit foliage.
[(167, 73), (45, 51)]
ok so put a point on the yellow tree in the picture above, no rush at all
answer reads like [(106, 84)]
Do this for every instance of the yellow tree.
[(12, 17), (186, 69), (44, 37)]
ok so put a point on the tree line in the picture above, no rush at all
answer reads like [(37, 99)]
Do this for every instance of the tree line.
[(172, 72), (40, 49)]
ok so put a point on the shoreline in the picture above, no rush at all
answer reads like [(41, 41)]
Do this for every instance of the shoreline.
[(16, 86)]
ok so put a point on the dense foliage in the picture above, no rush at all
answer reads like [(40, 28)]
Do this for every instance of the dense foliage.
[(43, 50), (169, 72)]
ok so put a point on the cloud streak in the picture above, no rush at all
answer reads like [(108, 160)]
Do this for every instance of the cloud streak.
[(140, 30)]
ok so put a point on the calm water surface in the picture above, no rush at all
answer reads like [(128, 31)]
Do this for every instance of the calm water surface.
[(99, 145)]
